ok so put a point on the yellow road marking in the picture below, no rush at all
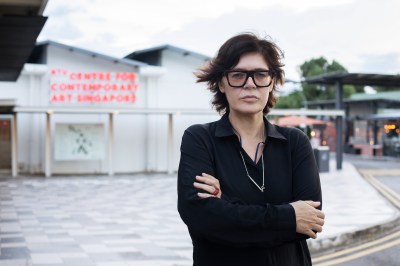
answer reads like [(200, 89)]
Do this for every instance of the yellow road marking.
[(384, 172), (357, 248), (388, 193), (360, 254), (367, 248), (393, 193)]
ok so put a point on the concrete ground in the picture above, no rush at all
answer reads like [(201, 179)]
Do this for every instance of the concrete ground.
[(132, 220)]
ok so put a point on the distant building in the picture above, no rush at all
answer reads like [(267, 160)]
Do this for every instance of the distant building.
[(372, 122)]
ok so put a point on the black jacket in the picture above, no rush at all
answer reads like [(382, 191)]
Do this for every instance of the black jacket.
[(246, 226)]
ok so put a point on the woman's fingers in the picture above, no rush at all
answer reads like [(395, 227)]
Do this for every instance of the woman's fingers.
[(209, 184), (314, 204), (209, 189), (208, 179), (204, 195), (311, 234), (317, 228), (320, 221), (309, 220), (207, 175)]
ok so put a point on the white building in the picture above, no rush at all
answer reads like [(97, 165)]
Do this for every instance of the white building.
[(68, 99)]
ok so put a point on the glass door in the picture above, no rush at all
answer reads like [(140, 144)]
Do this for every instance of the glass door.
[(5, 144)]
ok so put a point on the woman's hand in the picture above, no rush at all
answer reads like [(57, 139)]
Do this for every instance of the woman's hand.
[(209, 184), (309, 220)]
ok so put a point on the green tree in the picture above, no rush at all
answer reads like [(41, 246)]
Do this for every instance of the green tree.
[(310, 92), (293, 100), (319, 66)]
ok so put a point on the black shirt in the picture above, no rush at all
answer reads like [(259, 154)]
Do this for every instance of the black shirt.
[(246, 226)]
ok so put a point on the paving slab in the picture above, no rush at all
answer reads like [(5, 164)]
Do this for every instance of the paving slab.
[(132, 219)]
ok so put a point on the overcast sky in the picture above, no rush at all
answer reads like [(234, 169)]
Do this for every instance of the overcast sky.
[(363, 35)]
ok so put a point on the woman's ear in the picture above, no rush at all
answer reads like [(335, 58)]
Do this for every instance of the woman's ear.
[(221, 87), (271, 87)]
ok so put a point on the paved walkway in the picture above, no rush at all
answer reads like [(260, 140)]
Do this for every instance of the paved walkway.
[(132, 220), (351, 205)]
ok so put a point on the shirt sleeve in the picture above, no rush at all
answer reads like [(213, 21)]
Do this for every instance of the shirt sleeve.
[(220, 220), (306, 181)]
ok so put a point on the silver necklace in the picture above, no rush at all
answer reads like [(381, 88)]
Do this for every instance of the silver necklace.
[(245, 167), (247, 172)]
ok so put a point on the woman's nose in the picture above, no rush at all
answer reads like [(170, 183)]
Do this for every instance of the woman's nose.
[(250, 83)]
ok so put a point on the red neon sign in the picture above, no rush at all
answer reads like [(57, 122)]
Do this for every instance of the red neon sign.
[(92, 87)]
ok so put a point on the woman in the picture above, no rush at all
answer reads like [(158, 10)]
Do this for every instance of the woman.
[(249, 191)]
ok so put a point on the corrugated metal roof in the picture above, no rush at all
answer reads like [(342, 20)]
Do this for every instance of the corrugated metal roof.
[(387, 116), (355, 79), (388, 95), (168, 47), (125, 61)]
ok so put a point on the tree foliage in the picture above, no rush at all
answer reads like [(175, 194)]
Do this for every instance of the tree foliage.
[(293, 100), (319, 66), (310, 92)]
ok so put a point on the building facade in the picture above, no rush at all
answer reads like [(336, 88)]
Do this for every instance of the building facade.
[(372, 124), (84, 83)]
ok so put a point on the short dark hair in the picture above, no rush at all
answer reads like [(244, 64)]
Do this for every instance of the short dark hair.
[(229, 55)]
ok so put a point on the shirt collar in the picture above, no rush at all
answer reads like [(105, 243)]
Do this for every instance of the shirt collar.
[(224, 128)]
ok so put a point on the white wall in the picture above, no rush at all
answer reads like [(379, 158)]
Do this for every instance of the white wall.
[(26, 92), (140, 140), (177, 88), (129, 131)]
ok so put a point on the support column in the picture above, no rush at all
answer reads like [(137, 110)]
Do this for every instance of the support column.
[(170, 144), (110, 144), (339, 126), (48, 145), (14, 146), (375, 124), (375, 131)]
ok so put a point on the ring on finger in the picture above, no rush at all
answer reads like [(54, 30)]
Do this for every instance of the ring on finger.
[(216, 191)]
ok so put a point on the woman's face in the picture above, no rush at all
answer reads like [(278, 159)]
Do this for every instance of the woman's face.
[(248, 99)]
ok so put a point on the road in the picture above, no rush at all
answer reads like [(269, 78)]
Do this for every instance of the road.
[(384, 175)]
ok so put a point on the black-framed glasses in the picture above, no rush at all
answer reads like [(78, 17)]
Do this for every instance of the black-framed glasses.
[(238, 78)]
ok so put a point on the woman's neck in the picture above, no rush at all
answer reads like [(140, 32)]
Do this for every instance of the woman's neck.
[(248, 126)]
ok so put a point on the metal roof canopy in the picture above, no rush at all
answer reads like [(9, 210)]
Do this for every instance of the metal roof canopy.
[(356, 79), (20, 24), (388, 116), (339, 79), (348, 101)]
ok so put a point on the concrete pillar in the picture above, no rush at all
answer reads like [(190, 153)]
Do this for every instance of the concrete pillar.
[(48, 145), (170, 144), (110, 144), (339, 126), (14, 146)]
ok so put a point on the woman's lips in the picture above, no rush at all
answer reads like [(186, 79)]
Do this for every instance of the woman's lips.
[(249, 98)]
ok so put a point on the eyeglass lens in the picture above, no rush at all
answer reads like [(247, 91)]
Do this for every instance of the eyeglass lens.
[(239, 78)]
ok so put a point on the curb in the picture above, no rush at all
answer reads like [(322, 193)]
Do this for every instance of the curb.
[(383, 158), (329, 245), (344, 240)]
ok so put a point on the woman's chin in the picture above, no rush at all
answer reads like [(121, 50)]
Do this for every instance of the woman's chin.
[(247, 111)]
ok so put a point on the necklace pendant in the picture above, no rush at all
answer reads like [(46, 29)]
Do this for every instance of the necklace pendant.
[(262, 188)]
